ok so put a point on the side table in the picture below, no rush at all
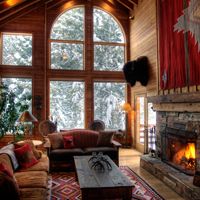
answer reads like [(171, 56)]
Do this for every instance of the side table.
[(37, 143)]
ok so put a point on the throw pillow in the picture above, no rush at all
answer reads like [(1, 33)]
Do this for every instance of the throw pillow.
[(68, 141), (105, 138), (25, 156), (8, 187), (56, 140), (5, 169), (36, 153)]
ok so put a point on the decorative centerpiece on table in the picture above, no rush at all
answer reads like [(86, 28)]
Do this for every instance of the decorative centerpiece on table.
[(99, 162)]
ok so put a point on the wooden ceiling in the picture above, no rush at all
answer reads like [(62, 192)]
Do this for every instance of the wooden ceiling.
[(13, 8)]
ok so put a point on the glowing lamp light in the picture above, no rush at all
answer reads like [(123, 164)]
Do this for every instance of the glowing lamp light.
[(126, 107), (12, 2)]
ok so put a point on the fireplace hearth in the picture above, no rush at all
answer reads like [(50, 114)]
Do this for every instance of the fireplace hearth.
[(178, 149)]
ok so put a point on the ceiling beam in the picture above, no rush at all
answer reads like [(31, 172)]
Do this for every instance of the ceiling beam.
[(12, 10), (5, 6), (113, 4), (19, 10), (126, 4), (134, 1)]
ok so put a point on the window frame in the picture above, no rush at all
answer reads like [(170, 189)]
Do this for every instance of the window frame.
[(68, 80), (111, 81), (111, 43), (88, 74), (19, 34), (68, 41)]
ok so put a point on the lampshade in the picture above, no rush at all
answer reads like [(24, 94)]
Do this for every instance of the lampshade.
[(126, 107), (26, 116)]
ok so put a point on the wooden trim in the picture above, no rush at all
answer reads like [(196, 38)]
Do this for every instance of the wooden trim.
[(1, 48), (46, 42), (100, 75), (158, 49), (177, 107), (67, 41), (175, 98), (110, 43)]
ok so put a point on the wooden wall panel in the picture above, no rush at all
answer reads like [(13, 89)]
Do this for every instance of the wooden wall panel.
[(143, 42)]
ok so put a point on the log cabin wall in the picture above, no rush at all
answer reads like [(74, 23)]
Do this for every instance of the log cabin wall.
[(143, 42), (38, 22), (33, 23)]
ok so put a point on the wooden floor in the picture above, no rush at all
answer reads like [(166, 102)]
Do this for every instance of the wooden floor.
[(131, 158)]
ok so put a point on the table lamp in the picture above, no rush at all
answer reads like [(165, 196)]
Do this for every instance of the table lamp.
[(26, 118)]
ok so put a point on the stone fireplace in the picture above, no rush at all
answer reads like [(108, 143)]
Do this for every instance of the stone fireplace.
[(178, 149), (177, 162)]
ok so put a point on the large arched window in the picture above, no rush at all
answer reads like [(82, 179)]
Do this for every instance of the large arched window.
[(67, 40), (83, 84), (108, 42)]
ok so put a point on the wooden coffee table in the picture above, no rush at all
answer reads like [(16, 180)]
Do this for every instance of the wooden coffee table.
[(96, 184)]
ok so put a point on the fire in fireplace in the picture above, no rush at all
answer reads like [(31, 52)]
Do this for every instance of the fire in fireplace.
[(178, 149)]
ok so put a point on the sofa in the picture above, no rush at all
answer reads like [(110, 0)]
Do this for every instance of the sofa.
[(63, 146), (29, 182)]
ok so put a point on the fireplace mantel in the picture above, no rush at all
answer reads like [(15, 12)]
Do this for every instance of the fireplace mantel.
[(189, 102), (175, 98), (177, 107)]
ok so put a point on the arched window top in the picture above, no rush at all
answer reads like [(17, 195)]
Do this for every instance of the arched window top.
[(69, 25), (106, 28)]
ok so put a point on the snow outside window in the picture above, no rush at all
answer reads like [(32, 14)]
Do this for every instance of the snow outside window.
[(67, 103), (17, 49), (108, 98), (109, 46), (22, 89), (67, 40)]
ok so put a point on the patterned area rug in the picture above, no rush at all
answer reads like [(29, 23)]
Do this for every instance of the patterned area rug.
[(65, 187)]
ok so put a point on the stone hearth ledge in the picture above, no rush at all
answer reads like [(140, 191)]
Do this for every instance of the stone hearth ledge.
[(176, 180)]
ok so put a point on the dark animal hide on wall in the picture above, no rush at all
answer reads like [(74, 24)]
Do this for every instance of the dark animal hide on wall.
[(137, 70)]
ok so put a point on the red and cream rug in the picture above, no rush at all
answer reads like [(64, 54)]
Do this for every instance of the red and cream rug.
[(65, 187)]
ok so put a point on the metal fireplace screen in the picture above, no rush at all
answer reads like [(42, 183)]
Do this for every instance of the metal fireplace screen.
[(178, 149)]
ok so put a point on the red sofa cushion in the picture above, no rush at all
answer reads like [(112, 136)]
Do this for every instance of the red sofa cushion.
[(83, 138), (25, 156), (68, 141)]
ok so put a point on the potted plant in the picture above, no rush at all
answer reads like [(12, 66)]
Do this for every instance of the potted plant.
[(10, 110)]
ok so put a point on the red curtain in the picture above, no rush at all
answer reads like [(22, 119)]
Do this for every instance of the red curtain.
[(172, 50), (194, 56), (179, 53)]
